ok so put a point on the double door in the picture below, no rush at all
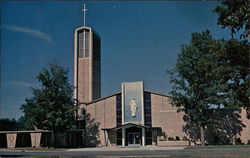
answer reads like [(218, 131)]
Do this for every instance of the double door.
[(134, 138)]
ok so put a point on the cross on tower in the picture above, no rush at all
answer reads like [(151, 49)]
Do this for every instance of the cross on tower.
[(84, 13)]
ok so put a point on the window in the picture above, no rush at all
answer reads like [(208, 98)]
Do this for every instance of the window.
[(147, 109), (83, 43), (118, 110), (119, 137)]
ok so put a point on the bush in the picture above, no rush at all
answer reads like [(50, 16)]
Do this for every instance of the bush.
[(238, 141), (171, 138), (177, 138), (185, 138)]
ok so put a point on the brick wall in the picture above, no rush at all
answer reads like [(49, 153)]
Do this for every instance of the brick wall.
[(83, 80), (245, 133), (164, 115), (104, 112)]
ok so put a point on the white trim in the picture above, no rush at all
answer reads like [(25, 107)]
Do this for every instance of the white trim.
[(123, 136), (75, 66), (123, 111), (83, 27), (90, 65), (143, 136), (142, 105)]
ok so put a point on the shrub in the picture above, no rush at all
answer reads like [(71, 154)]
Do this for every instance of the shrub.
[(185, 138), (171, 138), (177, 138)]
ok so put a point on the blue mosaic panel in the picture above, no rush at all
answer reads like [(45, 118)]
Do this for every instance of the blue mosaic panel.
[(133, 102)]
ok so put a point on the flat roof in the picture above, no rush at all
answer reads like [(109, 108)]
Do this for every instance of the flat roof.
[(165, 95), (102, 98), (94, 101), (127, 125), (27, 131)]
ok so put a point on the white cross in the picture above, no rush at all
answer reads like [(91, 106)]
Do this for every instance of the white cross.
[(84, 13)]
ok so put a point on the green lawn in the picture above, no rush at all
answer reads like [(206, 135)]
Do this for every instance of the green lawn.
[(218, 146)]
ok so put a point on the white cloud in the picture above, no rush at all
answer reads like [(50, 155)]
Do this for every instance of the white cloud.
[(32, 32)]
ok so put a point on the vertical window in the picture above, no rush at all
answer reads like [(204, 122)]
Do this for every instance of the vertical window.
[(118, 119), (147, 109), (147, 117), (80, 44), (83, 43), (118, 110), (86, 42), (96, 65)]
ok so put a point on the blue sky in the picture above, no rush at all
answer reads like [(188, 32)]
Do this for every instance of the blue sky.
[(140, 41)]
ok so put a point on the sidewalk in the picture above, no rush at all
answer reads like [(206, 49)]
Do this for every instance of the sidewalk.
[(135, 148), (91, 149)]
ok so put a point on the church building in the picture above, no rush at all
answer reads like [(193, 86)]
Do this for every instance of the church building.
[(133, 116)]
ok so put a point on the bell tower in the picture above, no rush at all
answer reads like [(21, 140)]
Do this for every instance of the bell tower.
[(87, 63)]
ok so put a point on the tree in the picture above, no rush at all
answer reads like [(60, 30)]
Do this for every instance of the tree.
[(195, 85), (227, 128), (91, 127), (7, 124), (234, 14), (52, 106), (213, 73), (234, 72)]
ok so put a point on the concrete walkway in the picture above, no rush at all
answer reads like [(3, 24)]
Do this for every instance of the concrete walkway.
[(136, 148)]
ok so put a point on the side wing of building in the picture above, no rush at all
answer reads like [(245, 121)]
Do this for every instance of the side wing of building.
[(165, 116), (103, 113)]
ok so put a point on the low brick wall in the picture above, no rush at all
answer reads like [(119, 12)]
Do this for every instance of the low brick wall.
[(173, 143)]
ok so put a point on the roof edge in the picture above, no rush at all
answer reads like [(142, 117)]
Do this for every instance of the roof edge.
[(83, 27), (96, 100), (108, 96), (158, 93)]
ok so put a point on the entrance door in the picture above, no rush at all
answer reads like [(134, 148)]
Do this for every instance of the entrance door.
[(134, 138)]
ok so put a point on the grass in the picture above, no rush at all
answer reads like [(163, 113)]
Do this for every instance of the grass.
[(217, 146), (201, 152)]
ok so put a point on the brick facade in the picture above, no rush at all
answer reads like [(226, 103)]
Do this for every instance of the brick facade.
[(104, 113), (164, 116), (83, 80)]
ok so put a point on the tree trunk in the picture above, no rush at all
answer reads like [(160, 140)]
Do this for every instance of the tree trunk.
[(202, 135)]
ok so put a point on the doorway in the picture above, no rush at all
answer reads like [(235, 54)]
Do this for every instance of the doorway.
[(134, 138)]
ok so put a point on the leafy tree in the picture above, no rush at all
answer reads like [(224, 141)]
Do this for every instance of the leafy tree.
[(195, 85), (92, 132), (51, 107), (227, 128), (213, 73), (234, 14), (209, 75), (233, 69), (7, 124)]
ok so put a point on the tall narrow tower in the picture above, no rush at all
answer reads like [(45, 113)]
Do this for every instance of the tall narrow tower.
[(87, 64)]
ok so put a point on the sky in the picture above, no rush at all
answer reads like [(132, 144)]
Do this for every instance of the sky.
[(139, 41)]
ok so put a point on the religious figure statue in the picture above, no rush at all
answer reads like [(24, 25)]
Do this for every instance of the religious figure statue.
[(133, 107)]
